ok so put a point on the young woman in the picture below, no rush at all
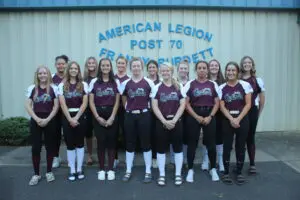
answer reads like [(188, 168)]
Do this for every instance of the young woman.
[(215, 74), (136, 100), (61, 63), (168, 104), (202, 106), (235, 103), (121, 76), (73, 100), (104, 101), (152, 68), (248, 74), (90, 72), (42, 106)]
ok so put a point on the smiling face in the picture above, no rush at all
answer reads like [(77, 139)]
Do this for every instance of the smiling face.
[(202, 70), (91, 65), (232, 72), (60, 65), (247, 65), (105, 67), (42, 75), (136, 68), (183, 70), (121, 65), (73, 71), (214, 67), (166, 72), (152, 69)]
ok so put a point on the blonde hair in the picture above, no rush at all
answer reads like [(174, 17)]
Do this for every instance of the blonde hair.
[(79, 84), (37, 81), (184, 62), (86, 70), (173, 80)]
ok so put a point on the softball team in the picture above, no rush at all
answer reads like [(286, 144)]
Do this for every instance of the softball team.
[(162, 114)]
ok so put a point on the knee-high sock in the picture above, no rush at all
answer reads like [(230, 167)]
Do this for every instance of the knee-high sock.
[(161, 162)]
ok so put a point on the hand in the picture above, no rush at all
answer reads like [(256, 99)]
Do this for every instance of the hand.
[(101, 121), (73, 122), (43, 123), (110, 121), (235, 122), (171, 124), (167, 124), (207, 120), (38, 120), (200, 119)]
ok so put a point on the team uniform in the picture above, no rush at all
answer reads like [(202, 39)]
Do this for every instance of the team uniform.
[(43, 103), (202, 100), (89, 115), (234, 99), (105, 98), (258, 86), (137, 122), (168, 98), (74, 136)]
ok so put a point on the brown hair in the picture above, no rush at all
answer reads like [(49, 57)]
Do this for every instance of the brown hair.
[(136, 59), (220, 77), (236, 66), (79, 84), (86, 70), (253, 70)]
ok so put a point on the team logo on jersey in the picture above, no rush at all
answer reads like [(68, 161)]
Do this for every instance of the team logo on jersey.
[(202, 92), (70, 95), (43, 98), (107, 92), (140, 92), (173, 96), (233, 97)]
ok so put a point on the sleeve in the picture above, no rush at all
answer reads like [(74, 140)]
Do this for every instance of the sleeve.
[(186, 89), (216, 87), (55, 90), (122, 87), (153, 95), (85, 88), (91, 85), (152, 85), (29, 92), (60, 90), (247, 87), (117, 84), (220, 91), (182, 92), (261, 84)]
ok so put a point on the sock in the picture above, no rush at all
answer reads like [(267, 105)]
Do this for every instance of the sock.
[(71, 154), (178, 163), (36, 164), (171, 154), (161, 162), (148, 161), (49, 157), (184, 149), (80, 157), (129, 161), (219, 148)]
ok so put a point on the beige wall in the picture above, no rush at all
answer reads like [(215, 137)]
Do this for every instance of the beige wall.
[(29, 39)]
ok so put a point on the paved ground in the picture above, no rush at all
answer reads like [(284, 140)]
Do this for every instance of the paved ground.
[(278, 161)]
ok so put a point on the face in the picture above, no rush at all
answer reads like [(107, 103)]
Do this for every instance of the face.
[(247, 64), (214, 67), (121, 65), (136, 68), (202, 70), (73, 71), (231, 72), (166, 72), (60, 65), (105, 67), (91, 64), (183, 70), (152, 69), (42, 75)]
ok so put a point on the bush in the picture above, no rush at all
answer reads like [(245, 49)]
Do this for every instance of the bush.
[(14, 131)]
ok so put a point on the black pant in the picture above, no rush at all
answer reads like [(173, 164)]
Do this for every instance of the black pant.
[(138, 125), (185, 127), (209, 136), (57, 132), (74, 137), (89, 123), (165, 137), (219, 129), (253, 118), (153, 135), (240, 142), (106, 136)]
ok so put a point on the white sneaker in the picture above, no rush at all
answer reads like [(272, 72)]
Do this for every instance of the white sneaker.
[(214, 174), (190, 176), (154, 163), (50, 176), (101, 175), (111, 175), (34, 180), (56, 162), (116, 162)]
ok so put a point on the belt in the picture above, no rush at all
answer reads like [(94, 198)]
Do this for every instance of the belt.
[(234, 112), (73, 109), (103, 107), (169, 116), (203, 107), (137, 111)]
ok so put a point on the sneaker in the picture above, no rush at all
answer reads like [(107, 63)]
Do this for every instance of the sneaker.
[(72, 177), (154, 163), (116, 162), (190, 176), (56, 162), (50, 176), (34, 180), (111, 175), (214, 174), (80, 175), (101, 175)]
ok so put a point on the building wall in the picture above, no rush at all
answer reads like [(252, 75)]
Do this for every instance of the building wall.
[(272, 38)]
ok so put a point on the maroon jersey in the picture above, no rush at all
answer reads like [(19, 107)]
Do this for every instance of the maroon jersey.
[(138, 94), (104, 92), (257, 85), (56, 79), (43, 102), (168, 98), (234, 97), (201, 94), (73, 97)]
